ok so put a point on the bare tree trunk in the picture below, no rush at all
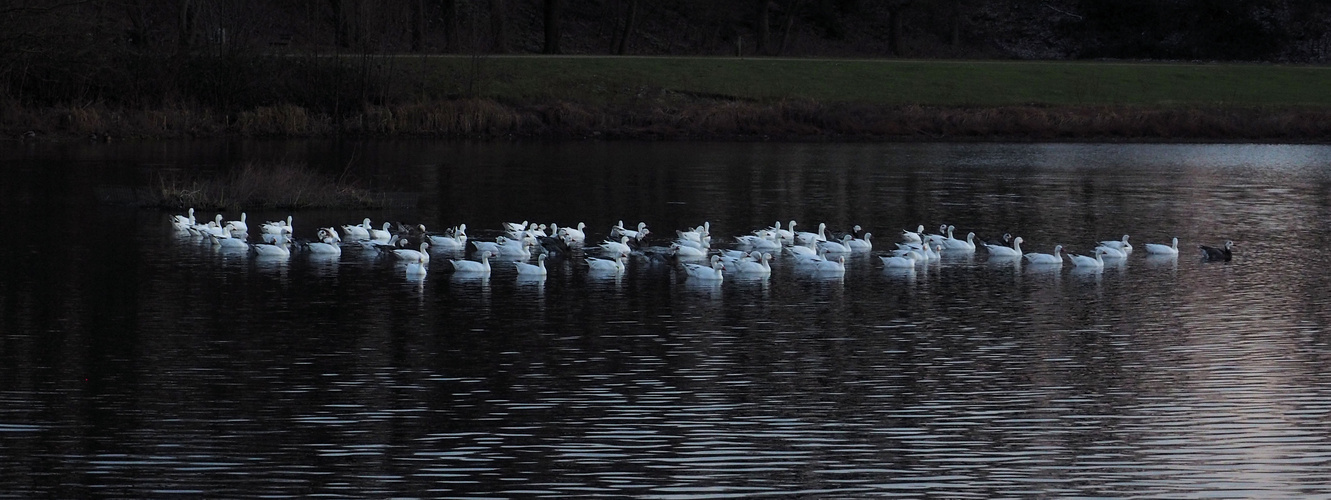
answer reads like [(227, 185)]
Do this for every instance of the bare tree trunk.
[(764, 27), (418, 25), (630, 18), (452, 27), (552, 8), (498, 27)]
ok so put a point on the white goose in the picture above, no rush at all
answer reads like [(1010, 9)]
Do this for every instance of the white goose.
[(842, 246), (801, 250), (637, 234), (409, 255), (226, 241), (526, 269), (837, 266), (913, 237), (1111, 252), (183, 222), (510, 249), (757, 242), (759, 267), (1158, 249), (617, 247), (1088, 262), (490, 246), (687, 251), (357, 232), (381, 234), (276, 227), (576, 235), (787, 234), (1121, 245), (901, 261), (1005, 251), (861, 244), (451, 242), (956, 245), (418, 267), (1055, 259), (327, 244), (238, 227), (805, 237), (615, 265), (278, 249), (707, 273), (471, 266)]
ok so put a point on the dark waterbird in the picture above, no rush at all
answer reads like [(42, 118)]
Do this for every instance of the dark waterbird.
[(1218, 254)]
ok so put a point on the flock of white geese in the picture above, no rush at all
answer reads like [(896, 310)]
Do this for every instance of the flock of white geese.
[(691, 250)]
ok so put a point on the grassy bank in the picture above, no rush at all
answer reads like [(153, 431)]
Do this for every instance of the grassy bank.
[(719, 98)]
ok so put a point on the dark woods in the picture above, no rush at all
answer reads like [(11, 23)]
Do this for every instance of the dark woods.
[(281, 57)]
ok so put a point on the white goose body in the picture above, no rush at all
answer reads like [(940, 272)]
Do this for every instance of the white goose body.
[(1121, 245), (1005, 251), (1158, 249), (617, 247), (759, 242), (1088, 262), (806, 238), (861, 244), (1111, 252), (759, 267), (706, 273), (913, 237), (615, 265), (825, 266), (278, 249), (956, 245), (1055, 259), (576, 235), (418, 268), (902, 261), (842, 246), (447, 242), (381, 234), (327, 244), (277, 227), (471, 266), (357, 232), (183, 222), (409, 255), (687, 252), (538, 269)]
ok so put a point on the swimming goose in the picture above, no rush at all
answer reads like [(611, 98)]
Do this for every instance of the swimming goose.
[(953, 244), (1004, 250), (901, 261), (276, 227), (861, 244), (490, 246), (638, 234), (707, 273), (327, 244), (615, 265), (1121, 245), (381, 234), (1084, 261), (805, 237), (771, 242), (575, 235), (238, 227), (687, 251), (825, 266), (1221, 254), (617, 247), (357, 232), (787, 234), (801, 250), (517, 249), (278, 249), (183, 222), (471, 266), (448, 242), (1158, 249), (759, 267), (226, 241), (1112, 253), (526, 269), (515, 227), (699, 234), (418, 268), (409, 255), (842, 246), (913, 237), (1055, 259)]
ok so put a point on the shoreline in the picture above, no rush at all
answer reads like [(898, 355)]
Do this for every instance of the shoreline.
[(694, 118)]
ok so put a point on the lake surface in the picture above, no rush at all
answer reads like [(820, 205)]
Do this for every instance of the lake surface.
[(137, 362)]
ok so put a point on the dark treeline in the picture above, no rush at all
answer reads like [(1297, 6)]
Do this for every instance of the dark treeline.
[(228, 56)]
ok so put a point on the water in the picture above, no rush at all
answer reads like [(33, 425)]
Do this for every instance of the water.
[(136, 363)]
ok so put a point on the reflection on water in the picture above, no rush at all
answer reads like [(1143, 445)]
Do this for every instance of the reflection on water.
[(136, 363)]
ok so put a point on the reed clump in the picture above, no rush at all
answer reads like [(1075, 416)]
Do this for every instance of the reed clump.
[(258, 186)]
